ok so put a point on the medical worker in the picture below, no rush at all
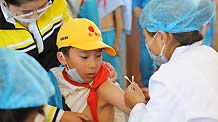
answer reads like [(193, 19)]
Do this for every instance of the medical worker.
[(185, 87), (24, 88)]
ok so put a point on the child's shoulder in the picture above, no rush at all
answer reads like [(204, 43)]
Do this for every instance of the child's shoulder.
[(107, 84), (56, 72), (108, 88)]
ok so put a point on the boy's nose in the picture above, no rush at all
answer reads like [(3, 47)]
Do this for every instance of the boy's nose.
[(92, 64)]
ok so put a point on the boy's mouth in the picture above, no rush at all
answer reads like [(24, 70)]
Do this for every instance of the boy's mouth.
[(91, 75)]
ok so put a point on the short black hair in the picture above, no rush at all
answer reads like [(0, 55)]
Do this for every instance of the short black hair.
[(65, 50)]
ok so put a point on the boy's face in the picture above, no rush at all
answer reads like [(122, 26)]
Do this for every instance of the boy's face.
[(87, 63)]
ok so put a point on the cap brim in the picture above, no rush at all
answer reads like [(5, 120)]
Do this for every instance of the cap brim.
[(96, 45)]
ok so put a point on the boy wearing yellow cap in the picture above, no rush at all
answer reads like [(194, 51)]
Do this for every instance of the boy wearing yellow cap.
[(84, 80)]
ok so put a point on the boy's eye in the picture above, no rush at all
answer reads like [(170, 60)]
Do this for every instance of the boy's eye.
[(85, 57), (99, 55)]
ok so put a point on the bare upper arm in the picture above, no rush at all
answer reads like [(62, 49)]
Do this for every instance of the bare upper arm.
[(113, 95)]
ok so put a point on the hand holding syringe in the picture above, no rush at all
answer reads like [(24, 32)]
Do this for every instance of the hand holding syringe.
[(133, 93), (134, 86)]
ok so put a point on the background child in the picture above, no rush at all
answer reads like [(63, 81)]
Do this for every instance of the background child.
[(84, 80), (111, 25)]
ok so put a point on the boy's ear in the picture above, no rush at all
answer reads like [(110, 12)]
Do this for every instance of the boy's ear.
[(61, 58)]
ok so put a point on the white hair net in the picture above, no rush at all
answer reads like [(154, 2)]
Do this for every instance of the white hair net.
[(176, 16), (23, 81)]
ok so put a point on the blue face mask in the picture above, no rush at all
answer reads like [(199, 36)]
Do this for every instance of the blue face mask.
[(74, 75), (158, 59)]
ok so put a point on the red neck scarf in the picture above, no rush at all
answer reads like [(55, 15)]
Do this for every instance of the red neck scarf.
[(92, 100)]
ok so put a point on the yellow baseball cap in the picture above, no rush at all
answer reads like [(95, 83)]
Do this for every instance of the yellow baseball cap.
[(83, 34)]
